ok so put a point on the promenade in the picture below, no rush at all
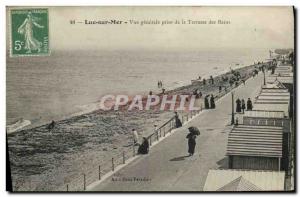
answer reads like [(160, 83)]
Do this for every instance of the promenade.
[(168, 168)]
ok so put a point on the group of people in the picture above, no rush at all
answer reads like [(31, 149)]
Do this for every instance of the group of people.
[(241, 105), (144, 145), (209, 103), (211, 80), (197, 93), (255, 72)]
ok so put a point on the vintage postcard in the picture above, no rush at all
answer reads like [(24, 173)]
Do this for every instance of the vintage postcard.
[(150, 99)]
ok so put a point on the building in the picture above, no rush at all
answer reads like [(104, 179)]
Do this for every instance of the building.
[(244, 180), (255, 147), (272, 118)]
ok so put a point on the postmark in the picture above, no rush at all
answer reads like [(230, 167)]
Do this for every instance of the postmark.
[(29, 32)]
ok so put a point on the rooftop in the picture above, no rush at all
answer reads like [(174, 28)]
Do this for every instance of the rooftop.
[(244, 180)]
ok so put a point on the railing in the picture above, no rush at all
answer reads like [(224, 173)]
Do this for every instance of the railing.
[(81, 182)]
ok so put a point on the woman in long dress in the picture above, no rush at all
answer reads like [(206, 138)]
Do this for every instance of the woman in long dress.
[(243, 106), (206, 103), (249, 104), (238, 105), (177, 121), (191, 143), (212, 102), (27, 29), (144, 147)]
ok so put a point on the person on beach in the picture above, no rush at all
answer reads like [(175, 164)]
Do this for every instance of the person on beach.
[(212, 102), (144, 147), (244, 82), (249, 104), (150, 93), (160, 84), (211, 79), (220, 89), (51, 125), (195, 92), (236, 84), (243, 106), (177, 121), (206, 103), (200, 94), (238, 105), (191, 142), (135, 137), (163, 91), (231, 82), (204, 81)]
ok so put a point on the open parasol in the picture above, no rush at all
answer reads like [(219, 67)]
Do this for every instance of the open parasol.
[(194, 130)]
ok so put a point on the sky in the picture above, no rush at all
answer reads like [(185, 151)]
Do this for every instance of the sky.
[(250, 27)]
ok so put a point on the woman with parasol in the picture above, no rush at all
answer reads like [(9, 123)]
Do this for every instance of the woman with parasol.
[(194, 131)]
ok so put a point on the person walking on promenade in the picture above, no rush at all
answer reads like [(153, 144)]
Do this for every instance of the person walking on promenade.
[(206, 103), (249, 105), (212, 102), (238, 105), (220, 89), (144, 147), (177, 121), (135, 137), (243, 106), (193, 132)]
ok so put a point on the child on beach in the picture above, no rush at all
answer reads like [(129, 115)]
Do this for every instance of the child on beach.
[(135, 137)]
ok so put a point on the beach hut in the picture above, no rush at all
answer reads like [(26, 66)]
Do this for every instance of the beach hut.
[(272, 118), (244, 180), (272, 107), (269, 100), (285, 79), (255, 147)]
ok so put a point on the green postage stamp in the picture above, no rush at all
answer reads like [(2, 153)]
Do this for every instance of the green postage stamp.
[(29, 32)]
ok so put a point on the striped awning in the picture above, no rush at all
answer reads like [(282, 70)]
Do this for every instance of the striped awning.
[(252, 140)]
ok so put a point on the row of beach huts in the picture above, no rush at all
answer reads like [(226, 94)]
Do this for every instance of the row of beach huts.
[(260, 151)]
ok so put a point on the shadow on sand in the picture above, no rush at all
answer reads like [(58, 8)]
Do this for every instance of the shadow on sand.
[(181, 158)]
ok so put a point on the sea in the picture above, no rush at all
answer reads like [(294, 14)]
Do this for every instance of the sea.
[(68, 83)]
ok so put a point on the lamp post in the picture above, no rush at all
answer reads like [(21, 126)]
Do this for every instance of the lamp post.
[(232, 109), (264, 75)]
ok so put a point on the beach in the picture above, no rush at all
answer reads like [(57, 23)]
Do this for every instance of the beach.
[(43, 160)]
